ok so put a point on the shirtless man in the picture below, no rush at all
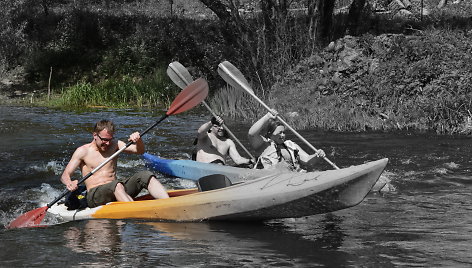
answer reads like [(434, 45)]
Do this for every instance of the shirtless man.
[(213, 146), (102, 186)]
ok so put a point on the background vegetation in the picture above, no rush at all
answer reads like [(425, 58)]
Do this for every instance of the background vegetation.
[(335, 64)]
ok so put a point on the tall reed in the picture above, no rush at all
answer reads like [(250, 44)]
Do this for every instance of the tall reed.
[(232, 102), (153, 90)]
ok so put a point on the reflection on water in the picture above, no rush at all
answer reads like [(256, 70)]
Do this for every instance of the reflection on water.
[(424, 219), (97, 236), (313, 241)]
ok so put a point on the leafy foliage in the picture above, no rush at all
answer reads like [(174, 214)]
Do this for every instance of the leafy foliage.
[(407, 73), (419, 82)]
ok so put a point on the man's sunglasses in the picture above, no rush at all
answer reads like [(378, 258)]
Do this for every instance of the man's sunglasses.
[(104, 140)]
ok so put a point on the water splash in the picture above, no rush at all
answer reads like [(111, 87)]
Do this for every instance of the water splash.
[(124, 163), (47, 193), (384, 184), (440, 170), (186, 184), (22, 202), (52, 166), (452, 165)]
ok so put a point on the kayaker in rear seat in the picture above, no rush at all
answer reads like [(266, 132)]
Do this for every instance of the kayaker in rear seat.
[(103, 186), (213, 145), (267, 138)]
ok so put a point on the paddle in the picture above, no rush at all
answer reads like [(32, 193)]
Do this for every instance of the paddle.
[(236, 79), (188, 98), (181, 77)]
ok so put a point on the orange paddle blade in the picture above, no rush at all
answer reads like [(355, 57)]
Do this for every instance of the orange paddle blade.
[(190, 97), (29, 219)]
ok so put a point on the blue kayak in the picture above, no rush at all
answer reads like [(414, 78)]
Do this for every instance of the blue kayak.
[(193, 170)]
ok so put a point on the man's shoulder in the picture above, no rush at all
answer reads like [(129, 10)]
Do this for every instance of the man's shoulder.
[(290, 143), (229, 141), (84, 149)]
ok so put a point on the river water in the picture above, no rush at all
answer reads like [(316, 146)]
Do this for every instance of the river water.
[(422, 218)]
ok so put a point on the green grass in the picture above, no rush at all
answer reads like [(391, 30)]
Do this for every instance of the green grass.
[(154, 90)]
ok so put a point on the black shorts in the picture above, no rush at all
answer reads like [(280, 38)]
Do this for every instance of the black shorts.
[(103, 194), (217, 161)]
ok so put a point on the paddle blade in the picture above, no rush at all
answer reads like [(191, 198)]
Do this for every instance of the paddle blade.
[(29, 219), (190, 97), (233, 76), (179, 74)]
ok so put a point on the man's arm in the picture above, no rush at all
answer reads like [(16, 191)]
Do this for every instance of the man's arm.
[(73, 164), (254, 134), (309, 159), (203, 130), (234, 154), (137, 147)]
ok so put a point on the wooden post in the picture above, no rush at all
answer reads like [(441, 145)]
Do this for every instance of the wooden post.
[(49, 85), (422, 9)]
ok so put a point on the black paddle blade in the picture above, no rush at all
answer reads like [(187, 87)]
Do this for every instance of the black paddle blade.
[(29, 219), (190, 97)]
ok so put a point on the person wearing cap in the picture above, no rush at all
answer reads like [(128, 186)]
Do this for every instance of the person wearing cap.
[(267, 138), (213, 145)]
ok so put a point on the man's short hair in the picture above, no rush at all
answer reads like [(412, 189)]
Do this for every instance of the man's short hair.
[(104, 124), (271, 126), (214, 121)]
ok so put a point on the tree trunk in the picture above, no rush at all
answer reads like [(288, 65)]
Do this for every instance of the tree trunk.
[(321, 20), (171, 4), (45, 5), (268, 13), (355, 11), (236, 31)]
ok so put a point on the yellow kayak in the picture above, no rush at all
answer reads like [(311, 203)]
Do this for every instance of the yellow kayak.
[(281, 195)]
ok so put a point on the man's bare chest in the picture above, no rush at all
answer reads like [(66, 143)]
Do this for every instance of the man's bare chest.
[(94, 159), (219, 145)]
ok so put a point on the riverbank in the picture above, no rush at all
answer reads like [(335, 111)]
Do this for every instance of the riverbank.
[(409, 73), (390, 82)]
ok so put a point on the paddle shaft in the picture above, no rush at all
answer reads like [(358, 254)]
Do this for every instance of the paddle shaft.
[(250, 91), (106, 161), (186, 81)]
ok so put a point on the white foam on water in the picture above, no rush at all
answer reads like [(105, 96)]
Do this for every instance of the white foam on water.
[(48, 193), (384, 184), (55, 166), (186, 184), (6, 218), (130, 163), (32, 199), (440, 170), (452, 165)]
